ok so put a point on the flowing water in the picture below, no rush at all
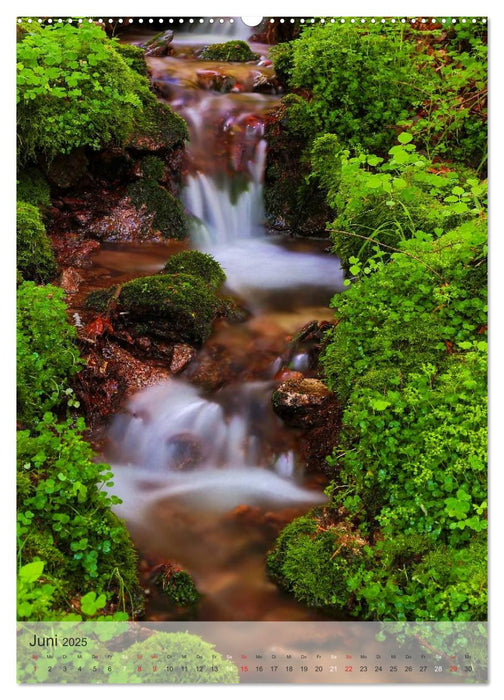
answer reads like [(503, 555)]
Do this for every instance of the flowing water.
[(209, 475)]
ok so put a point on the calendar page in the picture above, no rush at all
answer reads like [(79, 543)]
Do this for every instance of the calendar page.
[(251, 349)]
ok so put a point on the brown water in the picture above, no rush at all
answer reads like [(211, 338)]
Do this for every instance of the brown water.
[(207, 473)]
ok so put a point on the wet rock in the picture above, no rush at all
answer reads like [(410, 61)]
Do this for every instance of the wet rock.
[(111, 375), (125, 222), (264, 84), (67, 169), (71, 251), (185, 452), (214, 80), (182, 355), (160, 45), (70, 280), (302, 402)]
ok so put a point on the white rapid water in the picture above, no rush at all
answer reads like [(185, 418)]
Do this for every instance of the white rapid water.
[(172, 443)]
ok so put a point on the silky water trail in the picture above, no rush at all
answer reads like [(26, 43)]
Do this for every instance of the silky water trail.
[(207, 477)]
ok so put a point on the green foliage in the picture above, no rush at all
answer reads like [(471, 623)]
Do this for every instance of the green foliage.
[(172, 306), (32, 187), (47, 355), (34, 598), (414, 311), (134, 57), (167, 212), (76, 89), (360, 82), (64, 520), (452, 121), (282, 57), (203, 265), (35, 258), (388, 201), (404, 536), (238, 51)]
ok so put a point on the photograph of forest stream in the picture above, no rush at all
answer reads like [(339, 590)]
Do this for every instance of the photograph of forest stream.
[(252, 320)]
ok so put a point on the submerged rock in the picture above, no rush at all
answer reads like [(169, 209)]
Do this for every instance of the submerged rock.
[(215, 80), (301, 402)]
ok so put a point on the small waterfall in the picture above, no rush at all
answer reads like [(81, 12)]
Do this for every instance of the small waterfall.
[(174, 443)]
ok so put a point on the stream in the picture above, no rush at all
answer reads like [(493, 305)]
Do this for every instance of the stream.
[(208, 475)]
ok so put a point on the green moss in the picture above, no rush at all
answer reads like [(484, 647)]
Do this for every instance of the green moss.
[(32, 187), (203, 265), (173, 307), (100, 299), (183, 644), (238, 51), (47, 354), (35, 258), (168, 215), (103, 103), (157, 123), (152, 168), (302, 562), (291, 196), (134, 57), (282, 57), (177, 586)]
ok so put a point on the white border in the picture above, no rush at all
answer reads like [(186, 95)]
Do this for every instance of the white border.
[(357, 8)]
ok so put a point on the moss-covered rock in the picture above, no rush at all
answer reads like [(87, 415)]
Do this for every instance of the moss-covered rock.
[(134, 57), (158, 127), (152, 168), (193, 262), (238, 51), (313, 560), (100, 299), (293, 201), (182, 644), (32, 187), (175, 307), (177, 585), (160, 45), (35, 258), (167, 212)]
